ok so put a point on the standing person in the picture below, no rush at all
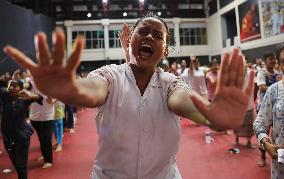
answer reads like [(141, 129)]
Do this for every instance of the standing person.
[(257, 67), (173, 68), (269, 116), (16, 131), (265, 78), (246, 129), (42, 117), (211, 78), (137, 119), (69, 118), (183, 72), (58, 124), (197, 78)]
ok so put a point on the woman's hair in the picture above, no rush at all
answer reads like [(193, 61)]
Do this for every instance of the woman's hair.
[(268, 55), (213, 62), (152, 15)]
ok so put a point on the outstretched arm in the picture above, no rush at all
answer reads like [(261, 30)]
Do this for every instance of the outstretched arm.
[(55, 78), (180, 103), (228, 108)]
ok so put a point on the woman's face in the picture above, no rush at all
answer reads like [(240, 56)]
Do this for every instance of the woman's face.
[(148, 43), (270, 62), (195, 63), (215, 67), (13, 88)]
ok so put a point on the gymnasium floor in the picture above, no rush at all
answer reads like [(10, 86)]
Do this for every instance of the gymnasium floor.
[(196, 160)]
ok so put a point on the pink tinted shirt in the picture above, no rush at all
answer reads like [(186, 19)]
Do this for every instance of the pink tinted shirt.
[(138, 135)]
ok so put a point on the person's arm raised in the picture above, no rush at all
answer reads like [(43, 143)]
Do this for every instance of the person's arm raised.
[(228, 108), (56, 78), (124, 36)]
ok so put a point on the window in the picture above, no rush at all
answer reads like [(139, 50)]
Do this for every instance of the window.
[(94, 39), (114, 41), (193, 36)]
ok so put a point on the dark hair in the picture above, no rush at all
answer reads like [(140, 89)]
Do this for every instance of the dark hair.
[(280, 48), (213, 62), (152, 15), (268, 55)]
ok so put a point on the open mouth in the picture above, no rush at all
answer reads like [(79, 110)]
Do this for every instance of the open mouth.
[(146, 50)]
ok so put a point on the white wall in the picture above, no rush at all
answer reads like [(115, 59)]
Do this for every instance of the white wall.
[(118, 53), (214, 34), (216, 29)]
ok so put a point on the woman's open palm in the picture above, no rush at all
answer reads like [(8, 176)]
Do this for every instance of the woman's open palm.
[(229, 105), (52, 75)]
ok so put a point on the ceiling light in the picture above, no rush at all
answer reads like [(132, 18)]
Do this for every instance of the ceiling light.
[(124, 14), (89, 15)]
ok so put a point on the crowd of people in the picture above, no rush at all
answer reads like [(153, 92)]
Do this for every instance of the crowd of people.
[(133, 119), (24, 108), (264, 110)]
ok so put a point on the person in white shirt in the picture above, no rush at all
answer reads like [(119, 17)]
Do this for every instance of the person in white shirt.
[(138, 104), (183, 72), (197, 78), (42, 117)]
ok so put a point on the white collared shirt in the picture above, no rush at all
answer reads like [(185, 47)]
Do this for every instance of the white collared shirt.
[(44, 112), (138, 135)]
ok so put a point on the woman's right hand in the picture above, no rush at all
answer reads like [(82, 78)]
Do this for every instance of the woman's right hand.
[(124, 37), (51, 75)]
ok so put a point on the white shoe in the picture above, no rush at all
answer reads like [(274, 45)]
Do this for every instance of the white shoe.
[(46, 165)]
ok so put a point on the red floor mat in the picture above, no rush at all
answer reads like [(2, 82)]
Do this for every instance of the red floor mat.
[(196, 160)]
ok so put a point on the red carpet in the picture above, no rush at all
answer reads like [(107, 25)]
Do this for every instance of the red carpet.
[(196, 160)]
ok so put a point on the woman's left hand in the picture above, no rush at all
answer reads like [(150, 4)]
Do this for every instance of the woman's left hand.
[(229, 105)]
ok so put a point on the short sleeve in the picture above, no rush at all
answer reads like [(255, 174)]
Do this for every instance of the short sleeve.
[(260, 78), (176, 82), (102, 73)]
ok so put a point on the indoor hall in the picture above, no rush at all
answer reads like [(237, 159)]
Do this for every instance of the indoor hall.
[(106, 86)]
